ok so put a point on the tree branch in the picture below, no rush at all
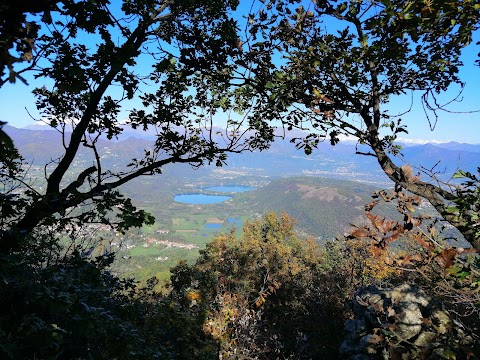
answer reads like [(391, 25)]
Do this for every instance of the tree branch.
[(133, 43)]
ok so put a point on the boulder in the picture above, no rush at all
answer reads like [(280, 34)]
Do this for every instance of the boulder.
[(398, 323)]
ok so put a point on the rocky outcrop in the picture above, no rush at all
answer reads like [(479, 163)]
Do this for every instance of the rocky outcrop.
[(400, 323)]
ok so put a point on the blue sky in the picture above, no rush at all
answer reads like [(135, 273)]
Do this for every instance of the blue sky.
[(461, 126)]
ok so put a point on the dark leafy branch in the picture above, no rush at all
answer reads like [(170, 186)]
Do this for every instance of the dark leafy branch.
[(346, 77), (194, 74), (286, 66)]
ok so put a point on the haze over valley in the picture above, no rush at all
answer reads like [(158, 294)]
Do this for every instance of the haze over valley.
[(325, 191)]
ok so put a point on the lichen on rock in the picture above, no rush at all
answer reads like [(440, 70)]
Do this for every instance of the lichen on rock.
[(399, 323)]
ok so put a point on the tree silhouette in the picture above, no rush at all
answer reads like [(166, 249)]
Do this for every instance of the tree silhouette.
[(341, 64)]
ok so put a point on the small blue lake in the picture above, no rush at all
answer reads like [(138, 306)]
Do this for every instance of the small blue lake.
[(235, 222), (212, 226), (201, 199), (230, 188)]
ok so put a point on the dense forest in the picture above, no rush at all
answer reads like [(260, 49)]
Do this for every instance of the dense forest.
[(211, 81)]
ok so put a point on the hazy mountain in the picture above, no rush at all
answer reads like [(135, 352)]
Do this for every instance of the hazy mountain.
[(38, 145), (441, 160), (41, 145), (38, 127), (324, 203), (460, 146)]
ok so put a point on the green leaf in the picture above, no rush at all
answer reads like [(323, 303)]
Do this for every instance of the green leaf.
[(452, 209), (453, 270), (459, 174)]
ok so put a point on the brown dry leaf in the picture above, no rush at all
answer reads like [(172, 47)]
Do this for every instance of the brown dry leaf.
[(370, 216), (329, 114), (239, 44), (370, 206), (27, 56), (426, 321), (391, 312), (405, 260), (391, 239), (407, 171), (389, 171), (30, 42), (375, 339), (388, 260), (360, 233), (327, 100), (379, 221), (416, 221), (377, 250), (419, 238), (416, 257), (447, 258), (387, 226)]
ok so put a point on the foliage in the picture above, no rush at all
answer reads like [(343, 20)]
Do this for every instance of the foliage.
[(322, 207), (71, 309), (403, 322), (343, 62), (287, 66), (17, 36), (10, 173), (467, 201), (175, 59), (416, 249), (270, 293)]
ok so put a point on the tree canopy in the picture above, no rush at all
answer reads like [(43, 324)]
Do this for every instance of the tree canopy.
[(344, 61), (175, 58), (328, 67), (244, 285), (175, 67)]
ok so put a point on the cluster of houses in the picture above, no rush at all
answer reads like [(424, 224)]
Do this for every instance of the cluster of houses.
[(168, 243)]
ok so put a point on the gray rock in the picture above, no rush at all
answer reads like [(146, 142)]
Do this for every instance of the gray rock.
[(409, 323), (409, 294), (403, 322), (425, 339)]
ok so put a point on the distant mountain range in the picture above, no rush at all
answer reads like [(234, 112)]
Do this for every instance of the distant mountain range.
[(324, 203), (444, 159), (41, 145)]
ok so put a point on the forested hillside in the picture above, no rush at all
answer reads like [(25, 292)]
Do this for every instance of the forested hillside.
[(324, 208)]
